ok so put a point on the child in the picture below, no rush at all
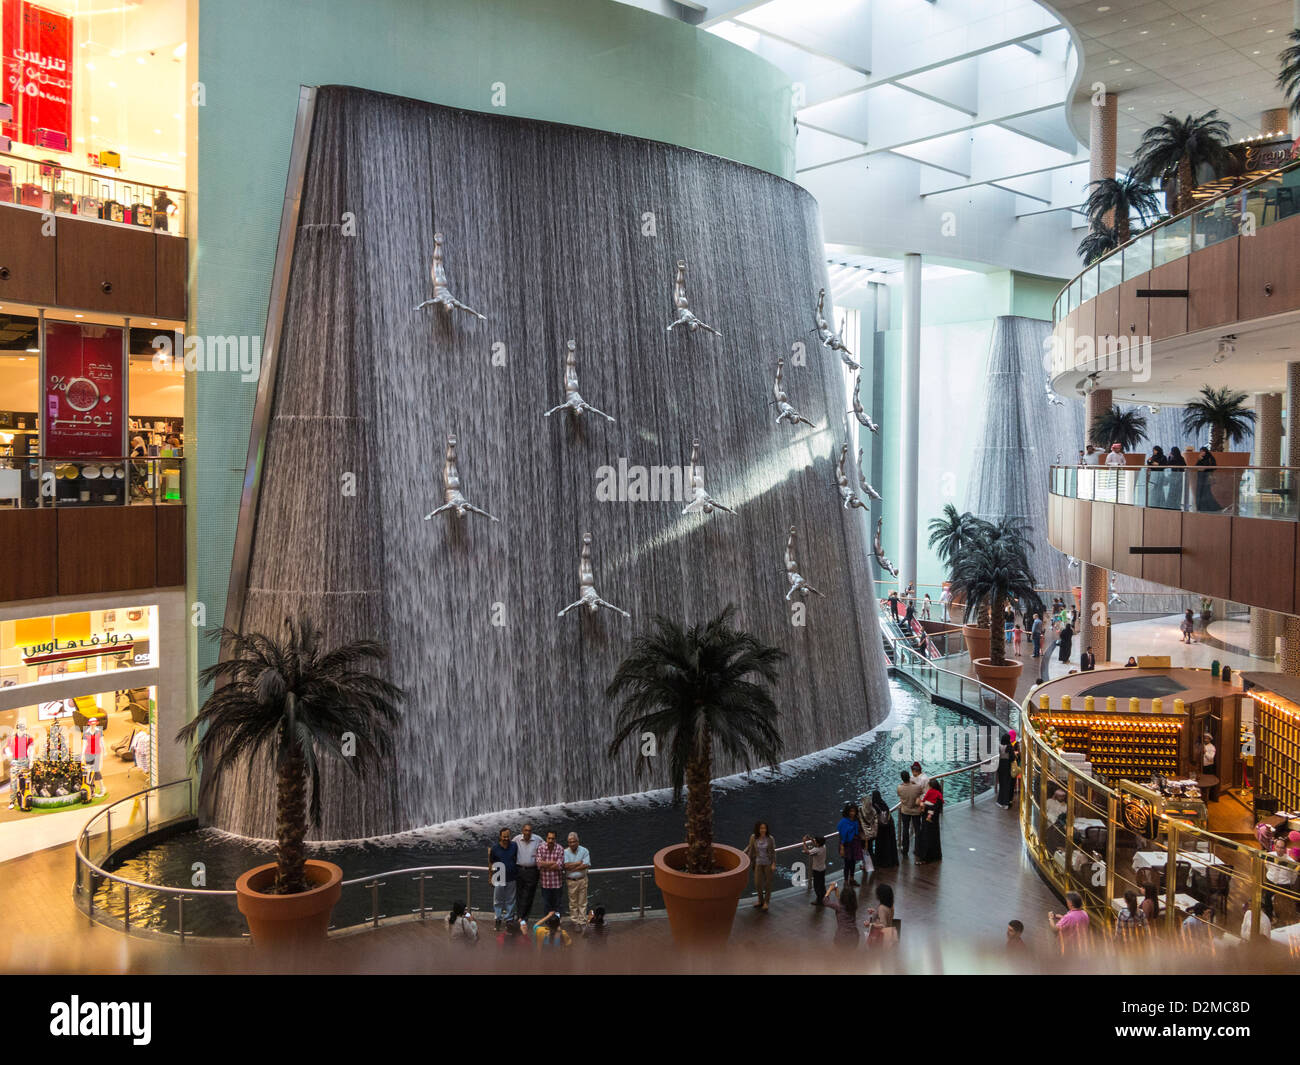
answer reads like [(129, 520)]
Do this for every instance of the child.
[(815, 848), (550, 934), (594, 926), (1016, 633)]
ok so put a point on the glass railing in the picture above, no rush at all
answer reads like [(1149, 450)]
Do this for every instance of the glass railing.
[(105, 196), (1238, 491), (1245, 209), (32, 481), (1099, 839)]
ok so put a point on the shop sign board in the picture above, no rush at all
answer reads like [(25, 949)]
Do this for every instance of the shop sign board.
[(36, 82), (83, 391)]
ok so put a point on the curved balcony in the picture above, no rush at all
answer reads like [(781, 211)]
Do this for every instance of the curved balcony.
[(1230, 261), (1225, 532)]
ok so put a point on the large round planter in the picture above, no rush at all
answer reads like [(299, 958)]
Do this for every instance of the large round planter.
[(977, 640), (1003, 678), (282, 920), (701, 907)]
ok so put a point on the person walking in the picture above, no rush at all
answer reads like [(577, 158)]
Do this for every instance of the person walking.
[(577, 861), (1072, 927), (550, 872), (1188, 626), (928, 843), (867, 817), (850, 832), (1006, 784), (1066, 638), (526, 847), (884, 852), (1036, 635), (815, 848), (1017, 635), (909, 813), (925, 607), (762, 856), (503, 872)]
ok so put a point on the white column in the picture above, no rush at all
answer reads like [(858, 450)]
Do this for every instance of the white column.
[(909, 419)]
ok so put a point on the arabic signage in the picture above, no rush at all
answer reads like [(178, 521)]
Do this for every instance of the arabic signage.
[(83, 400), (68, 650), (36, 78)]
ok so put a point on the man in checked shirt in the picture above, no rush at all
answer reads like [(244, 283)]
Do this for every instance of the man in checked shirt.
[(550, 867)]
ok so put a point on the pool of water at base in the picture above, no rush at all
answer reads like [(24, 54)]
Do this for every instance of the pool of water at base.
[(805, 796)]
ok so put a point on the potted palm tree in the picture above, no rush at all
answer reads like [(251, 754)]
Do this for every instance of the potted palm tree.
[(1178, 151), (1224, 413), (1127, 428), (1288, 78), (693, 690), (949, 536), (1113, 201), (286, 700), (992, 571), (1099, 242)]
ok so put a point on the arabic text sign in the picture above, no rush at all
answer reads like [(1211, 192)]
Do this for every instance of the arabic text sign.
[(84, 403), (36, 74)]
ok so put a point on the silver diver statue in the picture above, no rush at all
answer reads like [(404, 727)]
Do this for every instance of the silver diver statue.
[(573, 401), (878, 550), (701, 501), (681, 308), (587, 582), (864, 419), (848, 497), (785, 412), (832, 340), (798, 583), (441, 292), (451, 492), (862, 480)]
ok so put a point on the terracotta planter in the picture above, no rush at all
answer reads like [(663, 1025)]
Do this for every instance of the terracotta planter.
[(1003, 678), (701, 908), (280, 920), (977, 640)]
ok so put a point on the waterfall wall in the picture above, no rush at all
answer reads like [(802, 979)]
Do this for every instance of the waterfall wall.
[(553, 233)]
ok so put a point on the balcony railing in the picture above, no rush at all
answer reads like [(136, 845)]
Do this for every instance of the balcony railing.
[(33, 481), (1264, 201), (1238, 491), (105, 196)]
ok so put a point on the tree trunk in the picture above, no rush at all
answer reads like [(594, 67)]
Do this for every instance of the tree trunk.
[(290, 827), (997, 636), (1122, 232), (1186, 182), (1216, 438), (699, 810)]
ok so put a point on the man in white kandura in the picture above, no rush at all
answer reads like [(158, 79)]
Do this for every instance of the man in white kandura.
[(451, 488)]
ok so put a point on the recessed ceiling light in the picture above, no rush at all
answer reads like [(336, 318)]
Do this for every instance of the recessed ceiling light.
[(1255, 52), (89, 66), (94, 118), (112, 85), (140, 59), (1103, 9), (1113, 62), (158, 131), (153, 323), (78, 316)]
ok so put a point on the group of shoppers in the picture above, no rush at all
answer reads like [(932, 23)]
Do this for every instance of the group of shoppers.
[(1169, 490), (522, 864)]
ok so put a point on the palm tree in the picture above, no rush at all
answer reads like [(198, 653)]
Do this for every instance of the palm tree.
[(1127, 428), (289, 699), (689, 688), (1288, 78), (950, 533), (1175, 150), (1120, 198), (992, 570), (1223, 412), (1099, 243)]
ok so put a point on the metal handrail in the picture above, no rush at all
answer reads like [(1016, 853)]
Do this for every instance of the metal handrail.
[(96, 174), (1196, 208)]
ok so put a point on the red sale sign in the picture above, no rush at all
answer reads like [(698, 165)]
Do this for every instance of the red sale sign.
[(83, 408), (36, 74)]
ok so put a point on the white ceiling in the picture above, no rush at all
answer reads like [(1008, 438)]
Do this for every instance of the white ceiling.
[(1181, 57)]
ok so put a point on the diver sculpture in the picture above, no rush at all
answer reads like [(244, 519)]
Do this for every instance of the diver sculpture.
[(1052, 398), (441, 292), (785, 412), (864, 419), (455, 500), (573, 401), (878, 550), (834, 341), (681, 307), (587, 584), (848, 497), (701, 501), (862, 480), (798, 583)]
